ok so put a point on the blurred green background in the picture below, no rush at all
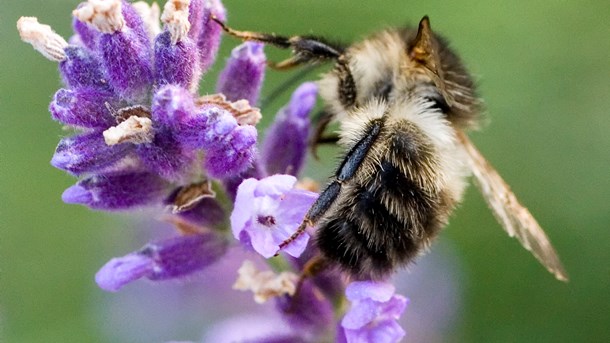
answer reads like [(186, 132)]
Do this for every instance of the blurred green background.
[(544, 72)]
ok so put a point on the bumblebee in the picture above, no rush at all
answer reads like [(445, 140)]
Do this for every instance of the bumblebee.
[(403, 100)]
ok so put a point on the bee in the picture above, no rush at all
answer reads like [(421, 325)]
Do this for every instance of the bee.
[(403, 100)]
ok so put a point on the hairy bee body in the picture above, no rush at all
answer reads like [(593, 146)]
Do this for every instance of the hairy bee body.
[(412, 174), (403, 100)]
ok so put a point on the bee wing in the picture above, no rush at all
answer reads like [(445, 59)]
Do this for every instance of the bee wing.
[(514, 217)]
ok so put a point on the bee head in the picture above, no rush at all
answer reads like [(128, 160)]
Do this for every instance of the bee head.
[(395, 65)]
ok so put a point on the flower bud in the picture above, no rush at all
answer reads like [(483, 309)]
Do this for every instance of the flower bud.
[(87, 153), (286, 142), (83, 107), (169, 259), (243, 74), (117, 190)]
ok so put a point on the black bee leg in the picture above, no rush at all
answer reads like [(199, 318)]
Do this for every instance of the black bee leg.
[(306, 49), (321, 119), (347, 169), (317, 210), (331, 138)]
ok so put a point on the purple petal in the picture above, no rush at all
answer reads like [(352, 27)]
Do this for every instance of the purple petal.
[(232, 183), (83, 107), (184, 255), (307, 311), (264, 244), (234, 155), (285, 147), (176, 64), (192, 130), (360, 314), (395, 306), (243, 75), (135, 23), (207, 213), (241, 210), (87, 153), (297, 246), (122, 270), (210, 33), (275, 185), (207, 128), (88, 35), (295, 204), (82, 68), (128, 64), (389, 332), (165, 156), (220, 123), (373, 314), (386, 332), (172, 108), (377, 291), (303, 100), (117, 191), (269, 211), (196, 13)]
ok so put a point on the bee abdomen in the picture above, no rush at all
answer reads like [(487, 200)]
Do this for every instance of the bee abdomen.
[(379, 225)]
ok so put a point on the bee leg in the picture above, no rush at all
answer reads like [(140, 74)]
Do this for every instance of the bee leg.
[(317, 210), (331, 138), (285, 64), (322, 119), (306, 49), (347, 169)]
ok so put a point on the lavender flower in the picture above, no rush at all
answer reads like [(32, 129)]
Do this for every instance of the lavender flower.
[(268, 211), (243, 76), (144, 137), (170, 259), (83, 107), (117, 190), (136, 112), (373, 314), (123, 46), (86, 153), (286, 144), (208, 40), (307, 311)]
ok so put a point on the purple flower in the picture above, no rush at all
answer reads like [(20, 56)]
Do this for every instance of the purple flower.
[(176, 63), (308, 311), (170, 259), (268, 211), (374, 313), (117, 190), (82, 68), (176, 55), (83, 107), (286, 142), (123, 45), (234, 154), (243, 75), (143, 137), (209, 32), (133, 82), (87, 153)]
